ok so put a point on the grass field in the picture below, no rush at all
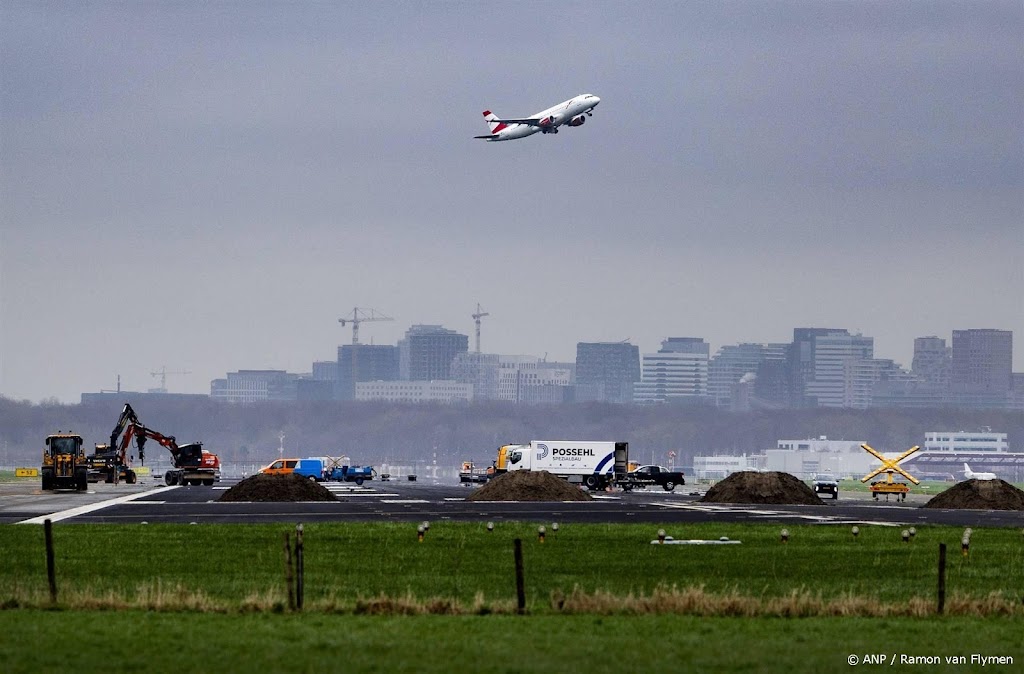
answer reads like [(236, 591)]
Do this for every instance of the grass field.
[(228, 567), (139, 641), (600, 598)]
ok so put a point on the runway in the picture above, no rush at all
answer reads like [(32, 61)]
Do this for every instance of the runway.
[(401, 501)]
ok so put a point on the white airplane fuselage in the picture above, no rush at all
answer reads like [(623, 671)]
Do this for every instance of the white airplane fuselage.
[(971, 475), (572, 112)]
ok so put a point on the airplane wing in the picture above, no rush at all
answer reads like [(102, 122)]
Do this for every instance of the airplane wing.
[(531, 121)]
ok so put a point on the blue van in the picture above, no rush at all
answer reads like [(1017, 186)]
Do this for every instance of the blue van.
[(311, 468)]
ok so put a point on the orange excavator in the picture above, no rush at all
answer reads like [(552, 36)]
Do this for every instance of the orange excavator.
[(193, 465)]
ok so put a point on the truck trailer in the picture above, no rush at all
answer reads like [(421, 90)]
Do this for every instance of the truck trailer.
[(594, 464)]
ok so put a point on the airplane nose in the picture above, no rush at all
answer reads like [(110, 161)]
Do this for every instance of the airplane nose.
[(596, 101)]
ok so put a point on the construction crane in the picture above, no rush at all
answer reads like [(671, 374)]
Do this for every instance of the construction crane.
[(476, 317), (162, 373), (361, 316)]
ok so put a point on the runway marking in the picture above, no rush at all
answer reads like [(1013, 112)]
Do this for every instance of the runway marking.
[(815, 519), (403, 500), (82, 510)]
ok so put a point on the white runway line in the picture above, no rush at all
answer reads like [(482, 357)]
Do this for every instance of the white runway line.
[(82, 510)]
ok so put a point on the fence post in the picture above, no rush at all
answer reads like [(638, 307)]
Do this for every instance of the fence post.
[(942, 577), (520, 588), (51, 574), (299, 575), (288, 571)]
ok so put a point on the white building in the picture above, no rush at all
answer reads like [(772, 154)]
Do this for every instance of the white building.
[(677, 372), (965, 441), (444, 391), (832, 353), (720, 467)]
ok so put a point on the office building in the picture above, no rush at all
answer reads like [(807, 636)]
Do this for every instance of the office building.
[(427, 351), (678, 372), (606, 371)]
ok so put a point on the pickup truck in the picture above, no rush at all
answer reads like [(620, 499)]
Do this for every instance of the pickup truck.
[(470, 473), (826, 484), (645, 476)]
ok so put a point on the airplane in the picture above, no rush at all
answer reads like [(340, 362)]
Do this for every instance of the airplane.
[(971, 475), (573, 112)]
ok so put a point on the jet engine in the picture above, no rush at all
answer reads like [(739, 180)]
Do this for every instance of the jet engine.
[(577, 121)]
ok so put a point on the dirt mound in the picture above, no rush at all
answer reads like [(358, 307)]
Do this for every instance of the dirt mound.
[(524, 485), (753, 487), (277, 488), (979, 495)]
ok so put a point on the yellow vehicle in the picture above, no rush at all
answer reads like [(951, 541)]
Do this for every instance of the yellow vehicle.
[(501, 462), (889, 466), (64, 465), (280, 467)]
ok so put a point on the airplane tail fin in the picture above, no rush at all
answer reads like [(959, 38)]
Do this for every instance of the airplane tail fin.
[(967, 469), (493, 122)]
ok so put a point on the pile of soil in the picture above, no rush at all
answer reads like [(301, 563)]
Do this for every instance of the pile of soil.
[(525, 485), (754, 487), (277, 488), (979, 495)]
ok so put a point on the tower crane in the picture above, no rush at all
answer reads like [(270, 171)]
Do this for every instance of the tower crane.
[(362, 316), (476, 317), (162, 373)]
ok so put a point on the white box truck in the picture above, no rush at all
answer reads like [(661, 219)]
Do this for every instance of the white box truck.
[(595, 464)]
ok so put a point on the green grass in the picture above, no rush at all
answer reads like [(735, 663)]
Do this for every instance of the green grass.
[(134, 641), (242, 565), (212, 598)]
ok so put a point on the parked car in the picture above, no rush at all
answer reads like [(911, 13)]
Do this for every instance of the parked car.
[(826, 484)]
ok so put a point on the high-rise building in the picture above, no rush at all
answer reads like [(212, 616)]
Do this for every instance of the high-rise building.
[(801, 363), (982, 360), (863, 376), (832, 356), (606, 371), (480, 370), (427, 351), (678, 372), (932, 361), (364, 362), (728, 367)]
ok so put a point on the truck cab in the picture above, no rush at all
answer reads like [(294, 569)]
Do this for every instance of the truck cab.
[(64, 465)]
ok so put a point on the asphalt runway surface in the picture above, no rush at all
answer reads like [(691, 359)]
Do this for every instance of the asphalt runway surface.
[(402, 501)]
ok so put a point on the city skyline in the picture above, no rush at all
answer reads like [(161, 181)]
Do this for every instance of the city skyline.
[(206, 188), (820, 367)]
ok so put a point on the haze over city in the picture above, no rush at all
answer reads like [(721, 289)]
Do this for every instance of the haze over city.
[(209, 188)]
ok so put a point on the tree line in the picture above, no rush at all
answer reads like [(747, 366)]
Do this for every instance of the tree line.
[(379, 432)]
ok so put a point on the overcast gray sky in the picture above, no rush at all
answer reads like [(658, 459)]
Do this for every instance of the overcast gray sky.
[(210, 186)]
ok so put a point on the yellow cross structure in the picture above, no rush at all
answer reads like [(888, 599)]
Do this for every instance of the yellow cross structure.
[(890, 466)]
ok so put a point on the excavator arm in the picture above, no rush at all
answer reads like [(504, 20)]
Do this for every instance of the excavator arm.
[(141, 434)]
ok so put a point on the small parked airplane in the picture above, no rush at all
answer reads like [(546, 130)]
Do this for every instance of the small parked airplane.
[(971, 475), (573, 112)]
